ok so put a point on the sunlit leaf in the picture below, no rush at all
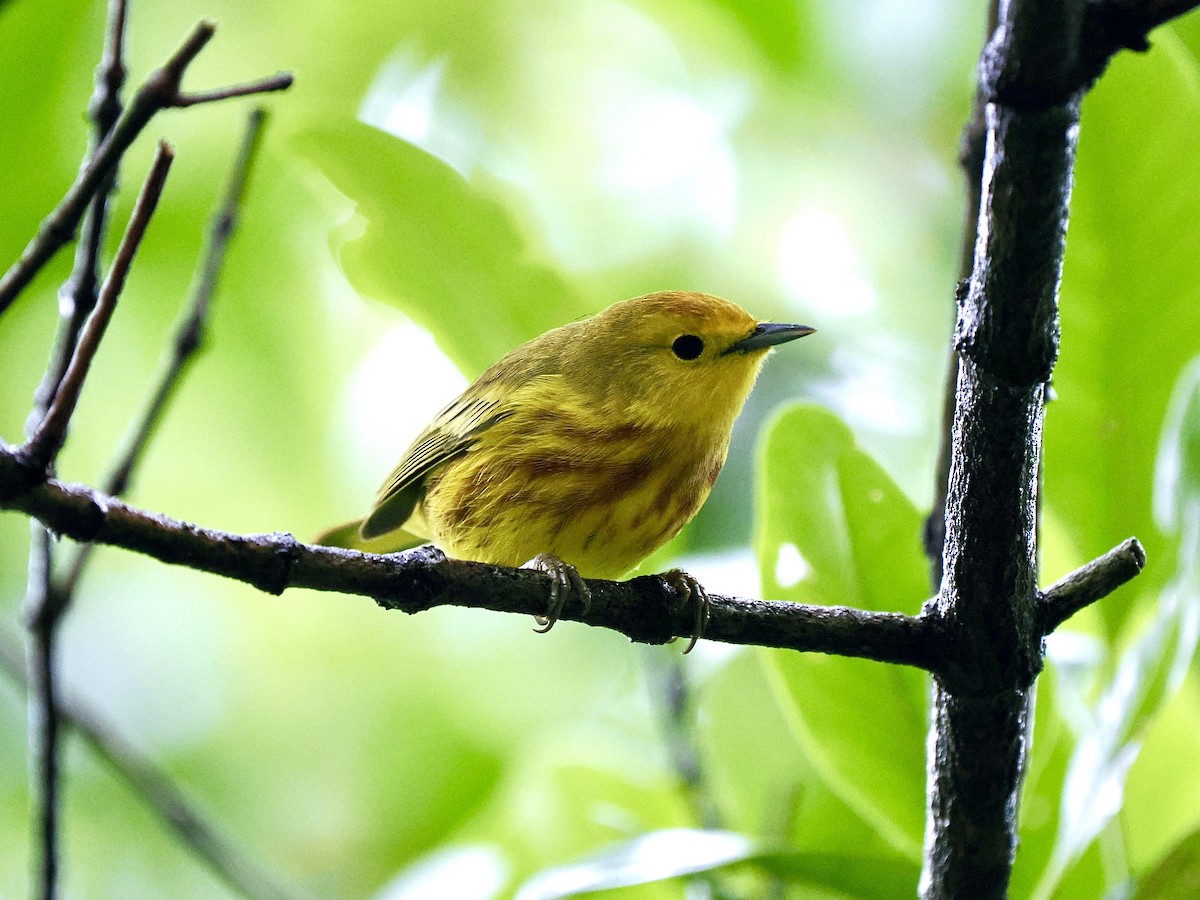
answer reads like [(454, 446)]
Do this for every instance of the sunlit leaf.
[(1177, 877), (1130, 253), (427, 241), (834, 529), (1150, 672), (465, 873), (650, 857), (680, 852), (1177, 474)]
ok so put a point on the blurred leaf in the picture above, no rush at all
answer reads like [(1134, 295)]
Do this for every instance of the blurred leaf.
[(854, 876), (1177, 473), (476, 872), (1131, 250), (1150, 672), (781, 29), (649, 857), (428, 242), (1177, 877), (679, 852), (834, 528)]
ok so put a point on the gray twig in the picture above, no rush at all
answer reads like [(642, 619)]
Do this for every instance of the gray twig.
[(160, 90), (48, 437), (157, 789), (77, 298), (1090, 583), (189, 335)]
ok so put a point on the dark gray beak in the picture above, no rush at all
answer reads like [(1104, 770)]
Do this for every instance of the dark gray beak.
[(768, 334)]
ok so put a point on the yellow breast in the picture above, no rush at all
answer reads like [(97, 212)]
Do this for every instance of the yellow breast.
[(600, 496)]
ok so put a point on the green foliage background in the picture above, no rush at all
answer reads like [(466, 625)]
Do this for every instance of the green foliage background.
[(798, 157)]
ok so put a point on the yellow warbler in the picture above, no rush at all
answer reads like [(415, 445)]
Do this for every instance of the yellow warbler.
[(584, 450)]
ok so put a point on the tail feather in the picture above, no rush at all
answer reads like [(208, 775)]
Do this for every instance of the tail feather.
[(347, 536)]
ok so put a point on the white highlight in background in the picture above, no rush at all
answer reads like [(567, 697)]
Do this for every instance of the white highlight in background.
[(819, 267)]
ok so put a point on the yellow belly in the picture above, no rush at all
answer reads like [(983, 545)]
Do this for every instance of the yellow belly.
[(602, 506)]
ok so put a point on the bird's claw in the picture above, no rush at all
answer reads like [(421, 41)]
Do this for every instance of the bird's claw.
[(688, 590), (563, 580)]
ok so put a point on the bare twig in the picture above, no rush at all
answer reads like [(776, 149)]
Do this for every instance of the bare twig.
[(1090, 583), (44, 604), (280, 81), (671, 697), (77, 298), (44, 744), (156, 789), (47, 439), (160, 90), (189, 334)]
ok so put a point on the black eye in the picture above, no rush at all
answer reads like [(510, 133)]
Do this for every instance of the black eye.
[(687, 346)]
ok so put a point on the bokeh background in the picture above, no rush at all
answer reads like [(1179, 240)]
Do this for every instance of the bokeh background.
[(447, 179)]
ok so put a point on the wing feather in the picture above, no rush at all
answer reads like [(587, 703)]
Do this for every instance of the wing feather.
[(453, 432)]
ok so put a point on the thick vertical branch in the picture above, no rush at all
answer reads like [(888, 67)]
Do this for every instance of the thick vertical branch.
[(1007, 339), (970, 161)]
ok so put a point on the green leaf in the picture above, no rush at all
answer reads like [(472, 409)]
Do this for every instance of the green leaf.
[(429, 242), (677, 852), (1150, 672), (649, 857), (1177, 877), (1177, 473), (1129, 300), (834, 529)]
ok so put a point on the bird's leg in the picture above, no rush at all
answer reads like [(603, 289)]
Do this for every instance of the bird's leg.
[(564, 579), (688, 590)]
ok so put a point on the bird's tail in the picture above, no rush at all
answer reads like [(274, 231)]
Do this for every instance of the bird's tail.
[(347, 536)]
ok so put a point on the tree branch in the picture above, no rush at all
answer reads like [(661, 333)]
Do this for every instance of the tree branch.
[(970, 162), (47, 439), (189, 334), (188, 339), (644, 609), (156, 789), (77, 299), (1007, 338), (160, 90), (1090, 583)]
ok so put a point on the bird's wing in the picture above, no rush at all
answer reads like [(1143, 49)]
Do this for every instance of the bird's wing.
[(455, 430), (497, 394)]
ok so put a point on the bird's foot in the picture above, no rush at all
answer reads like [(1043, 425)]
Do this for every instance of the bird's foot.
[(689, 591), (564, 580)]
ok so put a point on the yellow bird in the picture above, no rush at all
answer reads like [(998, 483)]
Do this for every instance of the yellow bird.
[(583, 451)]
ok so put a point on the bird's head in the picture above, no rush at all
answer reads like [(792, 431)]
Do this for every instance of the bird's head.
[(673, 357)]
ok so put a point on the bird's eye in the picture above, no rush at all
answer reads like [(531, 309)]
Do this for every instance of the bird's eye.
[(687, 346)]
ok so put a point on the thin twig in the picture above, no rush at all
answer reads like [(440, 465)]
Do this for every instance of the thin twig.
[(77, 296), (44, 745), (42, 602), (160, 90), (671, 696), (156, 789), (188, 339), (47, 439), (280, 81), (77, 299), (1090, 583)]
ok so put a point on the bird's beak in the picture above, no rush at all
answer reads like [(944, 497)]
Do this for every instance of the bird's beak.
[(768, 334)]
